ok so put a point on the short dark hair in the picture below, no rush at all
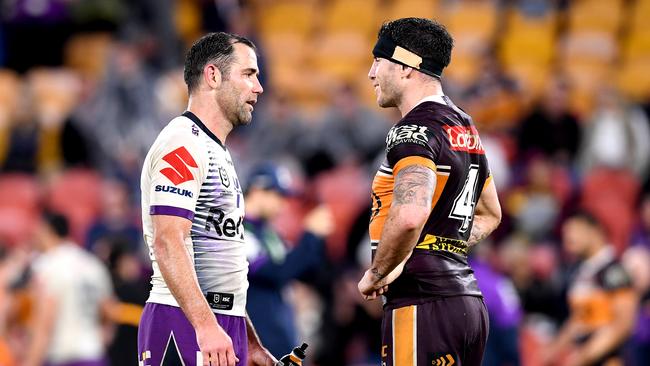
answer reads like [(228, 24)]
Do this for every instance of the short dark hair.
[(588, 218), (216, 48), (424, 37), (57, 223)]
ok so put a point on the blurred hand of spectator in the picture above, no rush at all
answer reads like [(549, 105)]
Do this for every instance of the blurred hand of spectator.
[(320, 221)]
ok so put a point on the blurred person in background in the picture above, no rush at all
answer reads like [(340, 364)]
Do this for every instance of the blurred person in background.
[(272, 264), (617, 135), (279, 133), (192, 214), (641, 232), (116, 222), (23, 144), (550, 128), (131, 290), (433, 198), (503, 305), (636, 260), (73, 300), (360, 131), (602, 301)]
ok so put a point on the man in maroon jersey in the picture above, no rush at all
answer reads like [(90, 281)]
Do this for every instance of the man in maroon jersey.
[(433, 198)]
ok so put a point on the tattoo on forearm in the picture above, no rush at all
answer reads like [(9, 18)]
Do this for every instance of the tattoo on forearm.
[(377, 274), (414, 185)]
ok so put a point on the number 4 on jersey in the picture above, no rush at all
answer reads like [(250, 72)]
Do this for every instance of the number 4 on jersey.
[(464, 203)]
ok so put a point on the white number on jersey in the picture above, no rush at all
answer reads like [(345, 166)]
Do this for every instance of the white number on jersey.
[(463, 208)]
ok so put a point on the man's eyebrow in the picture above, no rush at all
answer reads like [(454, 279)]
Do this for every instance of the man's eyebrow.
[(251, 70)]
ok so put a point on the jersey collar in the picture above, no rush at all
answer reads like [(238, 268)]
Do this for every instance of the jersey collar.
[(205, 129), (438, 98)]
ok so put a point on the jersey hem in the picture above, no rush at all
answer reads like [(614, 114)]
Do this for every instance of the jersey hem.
[(171, 301)]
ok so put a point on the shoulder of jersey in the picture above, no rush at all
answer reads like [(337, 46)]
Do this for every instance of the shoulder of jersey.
[(614, 276)]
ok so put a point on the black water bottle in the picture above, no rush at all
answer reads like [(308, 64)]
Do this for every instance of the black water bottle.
[(294, 358)]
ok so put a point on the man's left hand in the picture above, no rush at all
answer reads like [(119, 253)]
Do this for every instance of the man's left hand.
[(370, 287)]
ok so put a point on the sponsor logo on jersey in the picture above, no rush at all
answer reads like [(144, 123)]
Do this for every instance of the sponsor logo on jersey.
[(464, 139), (179, 159), (225, 179), (175, 190), (223, 226), (407, 134), (195, 130)]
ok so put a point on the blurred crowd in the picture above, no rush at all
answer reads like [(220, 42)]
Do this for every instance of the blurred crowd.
[(85, 86)]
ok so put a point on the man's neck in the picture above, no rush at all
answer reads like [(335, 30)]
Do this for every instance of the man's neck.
[(414, 94), (211, 115)]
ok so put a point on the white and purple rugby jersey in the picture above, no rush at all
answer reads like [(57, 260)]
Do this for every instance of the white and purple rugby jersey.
[(189, 173)]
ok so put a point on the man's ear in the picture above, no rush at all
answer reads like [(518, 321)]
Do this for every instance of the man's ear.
[(212, 76), (405, 71)]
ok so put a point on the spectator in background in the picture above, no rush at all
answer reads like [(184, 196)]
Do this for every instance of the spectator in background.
[(131, 290), (551, 129), (278, 133), (22, 151), (272, 264), (534, 206), (357, 133), (636, 261), (617, 136), (641, 233), (504, 308), (73, 296), (602, 301), (116, 222)]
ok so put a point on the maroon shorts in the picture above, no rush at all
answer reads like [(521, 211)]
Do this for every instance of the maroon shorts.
[(443, 332)]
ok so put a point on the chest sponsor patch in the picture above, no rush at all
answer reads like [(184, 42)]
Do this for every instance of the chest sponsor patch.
[(464, 139), (180, 160), (407, 134)]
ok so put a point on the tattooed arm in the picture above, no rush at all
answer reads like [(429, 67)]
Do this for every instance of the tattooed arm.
[(487, 215), (409, 211)]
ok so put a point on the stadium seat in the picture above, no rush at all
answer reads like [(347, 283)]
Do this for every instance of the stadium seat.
[(187, 20), (360, 16), (88, 53), (286, 16), (412, 8), (342, 55), (596, 15), (18, 225), (611, 195), (634, 79), (19, 190), (76, 194), (10, 84)]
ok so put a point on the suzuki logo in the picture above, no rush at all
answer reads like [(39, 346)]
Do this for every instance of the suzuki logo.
[(179, 160)]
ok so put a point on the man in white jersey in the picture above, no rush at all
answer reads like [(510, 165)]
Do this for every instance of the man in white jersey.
[(192, 213), (72, 295)]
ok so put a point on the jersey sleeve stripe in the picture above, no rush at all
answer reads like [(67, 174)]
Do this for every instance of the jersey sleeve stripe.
[(487, 182), (172, 211), (413, 160)]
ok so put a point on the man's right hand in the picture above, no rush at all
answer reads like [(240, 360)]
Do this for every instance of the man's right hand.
[(216, 346)]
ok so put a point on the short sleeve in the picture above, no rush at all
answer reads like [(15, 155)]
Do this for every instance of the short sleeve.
[(176, 175)]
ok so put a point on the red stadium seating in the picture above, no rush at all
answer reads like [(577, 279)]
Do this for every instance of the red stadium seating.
[(76, 194)]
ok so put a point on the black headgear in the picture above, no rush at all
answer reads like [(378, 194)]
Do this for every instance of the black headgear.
[(388, 49)]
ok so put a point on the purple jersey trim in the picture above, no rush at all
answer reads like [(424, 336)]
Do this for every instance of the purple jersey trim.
[(173, 211)]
